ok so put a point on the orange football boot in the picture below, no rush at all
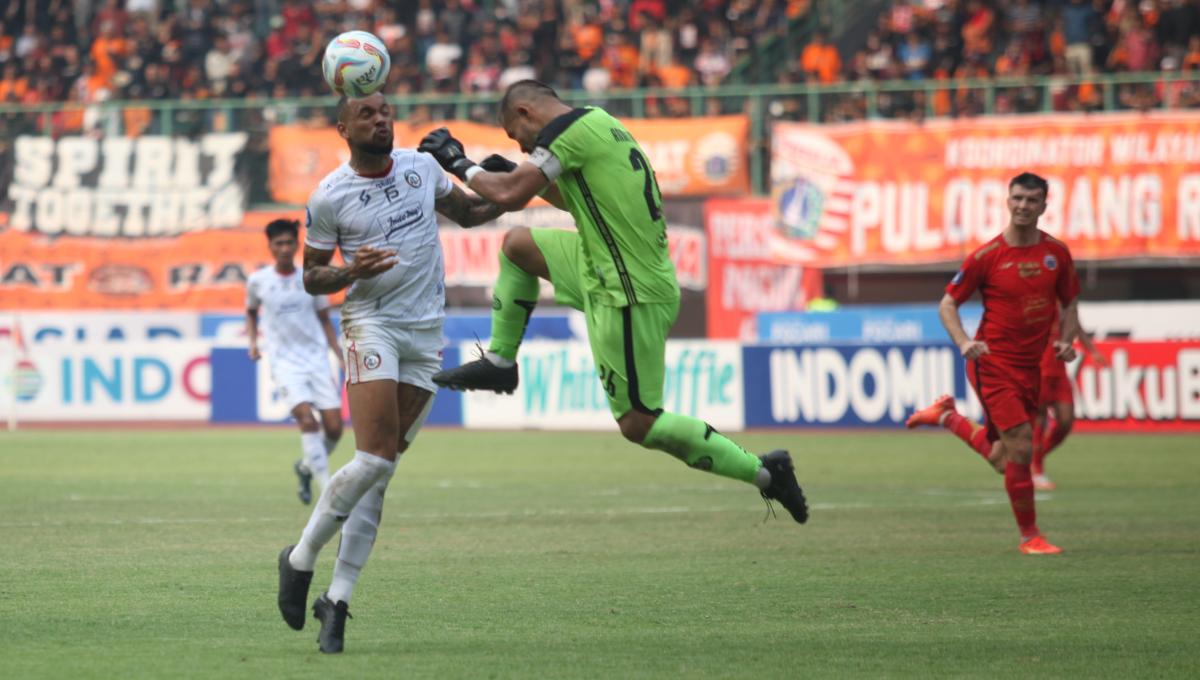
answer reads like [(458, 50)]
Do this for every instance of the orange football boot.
[(1043, 483), (931, 415), (1038, 545)]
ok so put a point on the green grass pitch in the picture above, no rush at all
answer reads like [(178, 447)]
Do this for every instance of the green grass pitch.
[(131, 554)]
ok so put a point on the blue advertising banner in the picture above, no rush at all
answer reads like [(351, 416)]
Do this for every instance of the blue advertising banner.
[(865, 324), (849, 385)]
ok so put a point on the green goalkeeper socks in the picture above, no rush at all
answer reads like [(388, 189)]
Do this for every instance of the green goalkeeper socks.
[(513, 301), (696, 443)]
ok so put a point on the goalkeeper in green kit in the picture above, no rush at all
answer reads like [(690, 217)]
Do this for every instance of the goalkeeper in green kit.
[(615, 268)]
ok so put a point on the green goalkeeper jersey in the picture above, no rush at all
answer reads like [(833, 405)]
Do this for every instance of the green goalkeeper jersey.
[(608, 186)]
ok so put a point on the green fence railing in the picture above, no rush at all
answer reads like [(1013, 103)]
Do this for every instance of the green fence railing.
[(764, 104)]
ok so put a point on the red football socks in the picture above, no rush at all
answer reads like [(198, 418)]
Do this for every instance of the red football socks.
[(1046, 440), (974, 434), (1052, 438), (1039, 448), (1018, 482)]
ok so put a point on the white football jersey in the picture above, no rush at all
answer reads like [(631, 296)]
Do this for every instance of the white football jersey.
[(293, 339), (391, 212)]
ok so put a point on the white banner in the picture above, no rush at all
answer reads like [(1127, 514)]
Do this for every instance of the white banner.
[(123, 186), (1144, 320), (559, 389), (132, 381)]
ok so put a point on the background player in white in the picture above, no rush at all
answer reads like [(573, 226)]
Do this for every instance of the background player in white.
[(298, 335), (378, 210)]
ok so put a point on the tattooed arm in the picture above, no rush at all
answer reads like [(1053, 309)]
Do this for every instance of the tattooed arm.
[(467, 209), (322, 278)]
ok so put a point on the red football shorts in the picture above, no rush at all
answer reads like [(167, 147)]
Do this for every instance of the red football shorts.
[(1056, 389), (1009, 394)]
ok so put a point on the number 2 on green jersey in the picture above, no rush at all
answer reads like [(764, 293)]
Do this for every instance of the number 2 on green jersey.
[(638, 161)]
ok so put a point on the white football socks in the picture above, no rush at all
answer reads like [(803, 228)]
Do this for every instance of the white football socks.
[(337, 501), (330, 445), (316, 457), (358, 537), (763, 479), (497, 361)]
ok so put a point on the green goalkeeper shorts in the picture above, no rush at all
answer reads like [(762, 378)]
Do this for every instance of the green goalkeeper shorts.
[(629, 344)]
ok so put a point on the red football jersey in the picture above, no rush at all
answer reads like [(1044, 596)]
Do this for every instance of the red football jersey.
[(1020, 289)]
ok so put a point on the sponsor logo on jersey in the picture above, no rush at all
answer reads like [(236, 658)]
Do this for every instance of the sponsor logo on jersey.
[(413, 179), (958, 277), (402, 220)]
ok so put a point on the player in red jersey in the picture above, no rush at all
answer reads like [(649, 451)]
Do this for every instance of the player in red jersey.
[(1056, 405), (1023, 275)]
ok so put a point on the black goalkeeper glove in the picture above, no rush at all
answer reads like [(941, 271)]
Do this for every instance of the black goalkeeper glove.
[(448, 152), (497, 163)]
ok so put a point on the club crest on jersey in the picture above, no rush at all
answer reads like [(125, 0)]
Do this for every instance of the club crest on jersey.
[(1051, 262), (371, 360), (413, 179)]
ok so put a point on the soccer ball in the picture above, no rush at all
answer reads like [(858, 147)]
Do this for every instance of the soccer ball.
[(356, 64)]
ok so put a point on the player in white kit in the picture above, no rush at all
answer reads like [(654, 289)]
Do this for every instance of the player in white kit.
[(297, 335), (378, 210)]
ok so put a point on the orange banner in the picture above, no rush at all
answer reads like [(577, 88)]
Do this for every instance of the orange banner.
[(204, 270), (892, 192), (691, 156)]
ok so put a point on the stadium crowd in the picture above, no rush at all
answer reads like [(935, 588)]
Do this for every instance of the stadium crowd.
[(93, 50), (946, 40), (80, 50)]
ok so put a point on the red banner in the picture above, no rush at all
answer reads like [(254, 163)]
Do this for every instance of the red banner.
[(691, 156), (892, 192), (1146, 387), (744, 279)]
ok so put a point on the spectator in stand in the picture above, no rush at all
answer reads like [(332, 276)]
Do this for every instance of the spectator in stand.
[(915, 55), (13, 86), (479, 76), (621, 59), (1080, 22), (219, 64), (712, 64), (596, 78), (1177, 25), (518, 69), (1191, 60), (657, 48), (977, 30), (878, 60), (441, 61), (1024, 17), (1136, 50), (820, 60)]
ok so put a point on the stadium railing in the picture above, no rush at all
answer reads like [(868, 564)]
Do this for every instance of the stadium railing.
[(763, 104)]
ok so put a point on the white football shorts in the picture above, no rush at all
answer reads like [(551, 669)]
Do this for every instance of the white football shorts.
[(406, 355), (315, 387)]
